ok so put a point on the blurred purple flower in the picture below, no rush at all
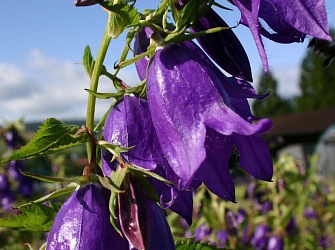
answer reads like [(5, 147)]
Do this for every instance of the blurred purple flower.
[(222, 237), (275, 243), (259, 239), (4, 183), (201, 232), (266, 206), (6, 200), (291, 227), (283, 21), (231, 223), (310, 213), (13, 170)]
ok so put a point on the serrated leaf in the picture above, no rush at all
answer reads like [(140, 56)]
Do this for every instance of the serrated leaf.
[(49, 179), (88, 61), (69, 189), (121, 17), (52, 136), (37, 217), (190, 245)]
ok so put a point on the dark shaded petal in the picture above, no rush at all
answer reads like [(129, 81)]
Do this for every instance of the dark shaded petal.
[(83, 223), (141, 43), (84, 2), (161, 236), (254, 155), (223, 47), (214, 171), (282, 32), (183, 100)]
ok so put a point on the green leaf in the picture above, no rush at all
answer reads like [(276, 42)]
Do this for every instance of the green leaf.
[(192, 11), (50, 179), (52, 136), (106, 95), (88, 61), (69, 189), (145, 172), (190, 245), (37, 217), (121, 17)]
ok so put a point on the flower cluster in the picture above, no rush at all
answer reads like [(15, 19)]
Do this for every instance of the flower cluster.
[(185, 125)]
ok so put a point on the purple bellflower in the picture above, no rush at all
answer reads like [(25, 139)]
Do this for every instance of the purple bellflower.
[(83, 223), (235, 91), (129, 124), (283, 21), (198, 124), (275, 243)]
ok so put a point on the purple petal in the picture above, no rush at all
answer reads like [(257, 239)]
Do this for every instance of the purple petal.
[(184, 99), (83, 223), (249, 17), (214, 171), (161, 236), (254, 155), (141, 43), (129, 124), (223, 47), (306, 16)]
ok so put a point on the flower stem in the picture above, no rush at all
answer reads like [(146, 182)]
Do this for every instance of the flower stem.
[(94, 85)]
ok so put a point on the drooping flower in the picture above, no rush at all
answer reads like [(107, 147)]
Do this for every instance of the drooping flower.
[(197, 123), (129, 124), (259, 239), (83, 223), (288, 21)]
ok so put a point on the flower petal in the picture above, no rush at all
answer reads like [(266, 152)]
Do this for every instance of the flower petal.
[(223, 47)]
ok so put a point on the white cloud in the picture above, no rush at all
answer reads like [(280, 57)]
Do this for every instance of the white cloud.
[(48, 87)]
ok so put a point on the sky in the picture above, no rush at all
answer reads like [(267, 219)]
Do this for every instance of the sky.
[(42, 44)]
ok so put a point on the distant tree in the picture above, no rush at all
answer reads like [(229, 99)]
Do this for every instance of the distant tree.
[(274, 104), (317, 83)]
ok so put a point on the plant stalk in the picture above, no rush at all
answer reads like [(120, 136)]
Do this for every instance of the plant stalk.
[(94, 86)]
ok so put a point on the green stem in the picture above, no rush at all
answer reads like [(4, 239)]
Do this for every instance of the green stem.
[(94, 85)]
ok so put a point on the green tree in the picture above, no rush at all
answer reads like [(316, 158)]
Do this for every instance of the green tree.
[(317, 83), (274, 104)]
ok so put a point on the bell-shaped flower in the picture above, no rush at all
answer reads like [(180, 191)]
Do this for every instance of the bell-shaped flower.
[(289, 21), (197, 123), (129, 124), (83, 222)]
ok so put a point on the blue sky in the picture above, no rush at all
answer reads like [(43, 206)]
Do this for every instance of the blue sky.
[(41, 42)]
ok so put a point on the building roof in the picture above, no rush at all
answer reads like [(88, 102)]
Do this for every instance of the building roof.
[(305, 123)]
